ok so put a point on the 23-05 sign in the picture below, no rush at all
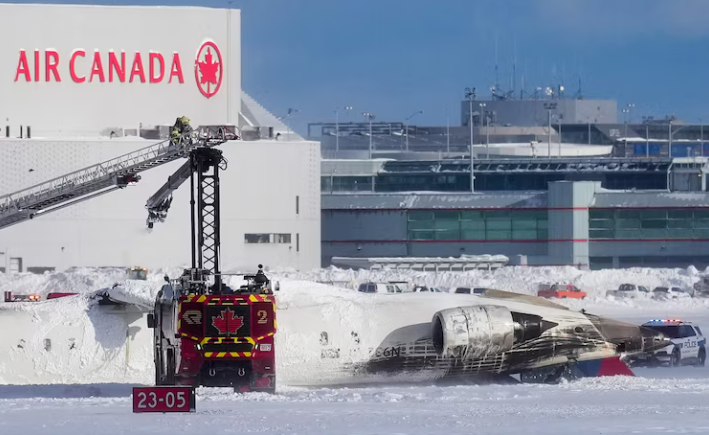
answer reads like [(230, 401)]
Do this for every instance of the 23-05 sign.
[(164, 399)]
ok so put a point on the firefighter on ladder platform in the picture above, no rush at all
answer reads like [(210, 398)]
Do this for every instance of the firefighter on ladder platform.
[(181, 131)]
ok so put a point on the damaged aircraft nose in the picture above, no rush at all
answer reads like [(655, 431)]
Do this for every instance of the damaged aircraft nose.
[(628, 337)]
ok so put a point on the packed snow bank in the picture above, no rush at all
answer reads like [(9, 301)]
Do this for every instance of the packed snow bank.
[(518, 279), (511, 278)]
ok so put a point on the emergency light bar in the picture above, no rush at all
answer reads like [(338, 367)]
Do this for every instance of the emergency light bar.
[(666, 320)]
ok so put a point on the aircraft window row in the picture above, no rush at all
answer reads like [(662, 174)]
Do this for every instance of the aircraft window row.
[(478, 225), (649, 224)]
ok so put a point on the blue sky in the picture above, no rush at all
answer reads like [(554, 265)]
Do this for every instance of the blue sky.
[(395, 57)]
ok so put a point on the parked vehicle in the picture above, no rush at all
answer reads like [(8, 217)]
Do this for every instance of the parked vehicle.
[(701, 288), (629, 291), (468, 290), (379, 287), (423, 288), (10, 297), (688, 345), (560, 291), (665, 293), (405, 286)]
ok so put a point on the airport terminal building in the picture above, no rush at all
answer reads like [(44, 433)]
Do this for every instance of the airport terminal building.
[(555, 180), (608, 213)]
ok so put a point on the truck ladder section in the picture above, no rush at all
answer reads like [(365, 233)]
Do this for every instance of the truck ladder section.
[(95, 180), (159, 204), (202, 169)]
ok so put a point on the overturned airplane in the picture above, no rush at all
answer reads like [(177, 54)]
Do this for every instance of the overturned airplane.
[(465, 338), (328, 339)]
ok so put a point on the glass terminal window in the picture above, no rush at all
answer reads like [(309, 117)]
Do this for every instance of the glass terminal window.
[(633, 224), (477, 225)]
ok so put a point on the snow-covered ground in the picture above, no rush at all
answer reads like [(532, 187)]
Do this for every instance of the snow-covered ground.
[(656, 401), (590, 406)]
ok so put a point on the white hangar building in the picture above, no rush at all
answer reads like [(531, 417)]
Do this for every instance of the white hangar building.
[(86, 84)]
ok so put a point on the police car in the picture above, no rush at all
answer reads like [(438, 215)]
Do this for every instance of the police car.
[(688, 345)]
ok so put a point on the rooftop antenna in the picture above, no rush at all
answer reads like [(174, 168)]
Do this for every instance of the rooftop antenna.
[(497, 75), (514, 68), (579, 93)]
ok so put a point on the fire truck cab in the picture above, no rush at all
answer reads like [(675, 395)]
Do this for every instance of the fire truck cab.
[(222, 340)]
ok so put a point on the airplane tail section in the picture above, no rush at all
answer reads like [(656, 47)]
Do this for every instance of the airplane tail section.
[(604, 367), (601, 367)]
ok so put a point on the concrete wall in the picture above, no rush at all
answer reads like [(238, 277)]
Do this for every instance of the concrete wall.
[(258, 191), (71, 105), (568, 221)]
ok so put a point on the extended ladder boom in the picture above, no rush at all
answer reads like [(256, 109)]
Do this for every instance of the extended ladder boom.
[(159, 203), (96, 180), (203, 171)]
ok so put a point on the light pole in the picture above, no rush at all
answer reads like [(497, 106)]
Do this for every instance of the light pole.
[(549, 107), (337, 126), (448, 134), (630, 106), (558, 120), (701, 135), (671, 136), (283, 118), (625, 122), (407, 127), (470, 95), (487, 136), (369, 117), (482, 113)]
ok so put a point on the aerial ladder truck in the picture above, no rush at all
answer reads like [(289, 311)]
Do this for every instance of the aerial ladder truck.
[(206, 333)]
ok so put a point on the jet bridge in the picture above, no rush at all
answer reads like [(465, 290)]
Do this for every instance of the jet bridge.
[(96, 180)]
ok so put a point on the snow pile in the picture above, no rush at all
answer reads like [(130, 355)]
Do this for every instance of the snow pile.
[(519, 279), (334, 281), (80, 280)]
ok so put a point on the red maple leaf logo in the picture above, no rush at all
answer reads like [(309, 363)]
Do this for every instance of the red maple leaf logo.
[(227, 323), (208, 72), (208, 69)]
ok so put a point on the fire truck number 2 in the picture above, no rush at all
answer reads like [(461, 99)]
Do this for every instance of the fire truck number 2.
[(262, 317), (169, 400)]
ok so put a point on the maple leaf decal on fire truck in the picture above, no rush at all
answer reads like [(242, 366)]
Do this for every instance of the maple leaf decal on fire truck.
[(227, 323), (209, 69)]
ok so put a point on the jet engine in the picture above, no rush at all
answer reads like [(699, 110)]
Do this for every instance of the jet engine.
[(476, 331)]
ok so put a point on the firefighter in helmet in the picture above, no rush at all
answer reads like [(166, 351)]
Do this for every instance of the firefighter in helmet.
[(180, 129)]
